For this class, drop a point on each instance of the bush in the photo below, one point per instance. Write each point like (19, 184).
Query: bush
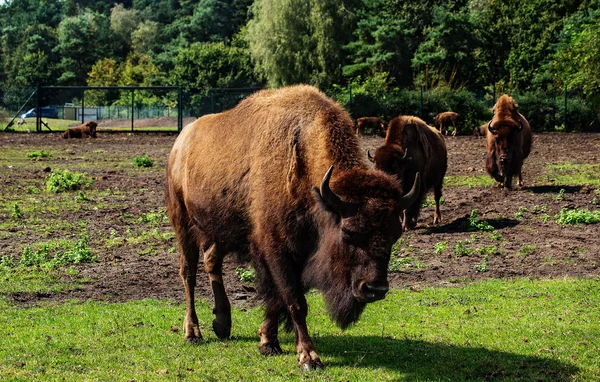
(142, 161)
(576, 216)
(65, 180)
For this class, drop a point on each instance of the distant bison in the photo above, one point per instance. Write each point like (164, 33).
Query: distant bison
(480, 131)
(370, 125)
(260, 179)
(445, 120)
(86, 130)
(411, 147)
(508, 142)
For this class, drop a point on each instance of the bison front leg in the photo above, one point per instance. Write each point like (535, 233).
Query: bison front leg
(307, 357)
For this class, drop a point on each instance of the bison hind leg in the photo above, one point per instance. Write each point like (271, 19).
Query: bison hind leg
(213, 265)
(437, 194)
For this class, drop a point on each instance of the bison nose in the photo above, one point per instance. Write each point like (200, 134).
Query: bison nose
(504, 158)
(374, 291)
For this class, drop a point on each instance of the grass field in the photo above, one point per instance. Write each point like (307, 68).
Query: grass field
(500, 330)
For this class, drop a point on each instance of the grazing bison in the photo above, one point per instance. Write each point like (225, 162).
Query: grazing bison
(243, 181)
(86, 130)
(480, 131)
(370, 125)
(508, 142)
(411, 147)
(445, 120)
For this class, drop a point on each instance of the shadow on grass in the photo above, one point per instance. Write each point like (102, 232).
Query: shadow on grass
(553, 189)
(462, 225)
(420, 360)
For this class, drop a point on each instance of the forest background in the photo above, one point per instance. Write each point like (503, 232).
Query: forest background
(377, 57)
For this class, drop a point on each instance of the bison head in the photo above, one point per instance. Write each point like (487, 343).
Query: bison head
(356, 238)
(92, 126)
(502, 144)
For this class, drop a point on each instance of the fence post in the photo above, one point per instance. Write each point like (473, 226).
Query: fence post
(132, 108)
(565, 116)
(38, 112)
(82, 106)
(421, 102)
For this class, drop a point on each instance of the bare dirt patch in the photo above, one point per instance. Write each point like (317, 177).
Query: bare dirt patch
(531, 244)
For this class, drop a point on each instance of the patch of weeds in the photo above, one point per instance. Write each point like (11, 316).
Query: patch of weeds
(7, 263)
(520, 212)
(82, 198)
(154, 217)
(39, 154)
(147, 251)
(142, 161)
(483, 267)
(16, 212)
(246, 275)
(474, 238)
(491, 249)
(430, 202)
(127, 215)
(576, 216)
(561, 195)
(539, 210)
(527, 250)
(469, 181)
(595, 201)
(440, 247)
(459, 280)
(398, 263)
(32, 190)
(65, 180)
(495, 235)
(574, 174)
(461, 248)
(99, 151)
(478, 225)
(545, 218)
(53, 255)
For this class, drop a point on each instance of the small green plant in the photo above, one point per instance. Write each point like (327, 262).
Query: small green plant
(142, 161)
(561, 195)
(440, 247)
(99, 151)
(38, 257)
(65, 180)
(520, 212)
(495, 235)
(399, 263)
(483, 267)
(527, 250)
(246, 275)
(461, 248)
(79, 253)
(545, 218)
(478, 225)
(154, 217)
(7, 263)
(81, 197)
(32, 190)
(539, 210)
(492, 249)
(576, 216)
(39, 154)
(16, 212)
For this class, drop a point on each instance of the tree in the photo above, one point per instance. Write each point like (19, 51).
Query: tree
(144, 39)
(105, 72)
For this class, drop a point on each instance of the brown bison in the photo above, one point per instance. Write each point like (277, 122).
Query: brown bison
(480, 131)
(86, 130)
(445, 120)
(370, 125)
(508, 142)
(244, 181)
(411, 147)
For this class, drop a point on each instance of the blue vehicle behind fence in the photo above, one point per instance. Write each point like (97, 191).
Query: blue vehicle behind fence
(47, 112)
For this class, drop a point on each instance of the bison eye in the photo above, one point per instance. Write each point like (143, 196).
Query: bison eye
(359, 239)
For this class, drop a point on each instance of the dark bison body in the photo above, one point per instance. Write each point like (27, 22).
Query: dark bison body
(411, 147)
(508, 142)
(480, 131)
(445, 120)
(244, 181)
(370, 125)
(86, 130)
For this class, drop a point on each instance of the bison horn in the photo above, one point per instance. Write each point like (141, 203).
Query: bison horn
(490, 127)
(333, 201)
(409, 198)
(405, 154)
(371, 157)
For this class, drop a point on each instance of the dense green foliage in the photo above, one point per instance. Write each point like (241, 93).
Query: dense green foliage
(530, 48)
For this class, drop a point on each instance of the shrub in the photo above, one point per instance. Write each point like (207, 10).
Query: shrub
(142, 161)
(576, 216)
(65, 180)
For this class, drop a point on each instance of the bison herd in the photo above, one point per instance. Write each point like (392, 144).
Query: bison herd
(281, 178)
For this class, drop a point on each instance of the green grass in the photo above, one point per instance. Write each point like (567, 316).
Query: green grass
(572, 174)
(142, 161)
(502, 330)
(577, 216)
(469, 181)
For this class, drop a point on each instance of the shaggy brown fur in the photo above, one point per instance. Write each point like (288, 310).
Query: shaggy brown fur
(370, 125)
(87, 130)
(243, 181)
(480, 131)
(425, 152)
(445, 120)
(508, 142)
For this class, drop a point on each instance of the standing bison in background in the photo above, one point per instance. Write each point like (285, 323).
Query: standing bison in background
(244, 181)
(508, 142)
(87, 130)
(370, 125)
(445, 120)
(411, 147)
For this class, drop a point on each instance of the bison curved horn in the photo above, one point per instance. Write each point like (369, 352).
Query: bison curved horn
(371, 157)
(333, 201)
(411, 196)
(490, 128)
(404, 156)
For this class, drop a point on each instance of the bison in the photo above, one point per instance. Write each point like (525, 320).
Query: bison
(244, 182)
(480, 131)
(86, 130)
(411, 147)
(370, 125)
(508, 142)
(445, 120)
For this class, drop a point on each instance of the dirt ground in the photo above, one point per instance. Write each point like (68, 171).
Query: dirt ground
(531, 245)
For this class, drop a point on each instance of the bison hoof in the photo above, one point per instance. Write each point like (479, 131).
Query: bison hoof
(270, 349)
(223, 331)
(193, 340)
(312, 364)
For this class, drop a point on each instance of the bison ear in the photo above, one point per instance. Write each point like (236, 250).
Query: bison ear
(371, 157)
